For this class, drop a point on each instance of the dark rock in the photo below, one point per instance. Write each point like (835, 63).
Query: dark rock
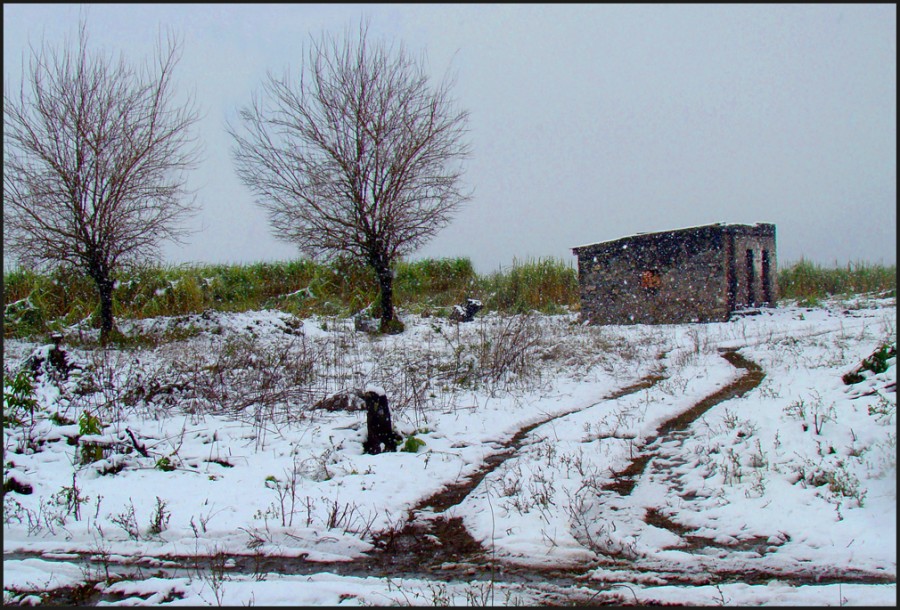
(466, 313)
(53, 359)
(11, 484)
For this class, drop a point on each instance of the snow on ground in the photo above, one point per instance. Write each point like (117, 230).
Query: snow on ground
(799, 474)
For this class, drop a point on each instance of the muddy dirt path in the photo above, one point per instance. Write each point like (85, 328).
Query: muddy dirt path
(752, 377)
(431, 546)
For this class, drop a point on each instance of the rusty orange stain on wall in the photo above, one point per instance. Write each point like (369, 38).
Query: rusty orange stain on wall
(650, 279)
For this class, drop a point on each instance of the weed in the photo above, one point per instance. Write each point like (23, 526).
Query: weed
(512, 485)
(758, 458)
(757, 488)
(127, 520)
(809, 282)
(281, 491)
(480, 594)
(767, 390)
(840, 482)
(884, 410)
(19, 400)
(13, 511)
(217, 574)
(165, 464)
(412, 444)
(347, 517)
(204, 521)
(100, 551)
(730, 419)
(796, 410)
(90, 425)
(35, 302)
(821, 414)
(547, 285)
(440, 596)
(71, 499)
(816, 410)
(574, 462)
(159, 519)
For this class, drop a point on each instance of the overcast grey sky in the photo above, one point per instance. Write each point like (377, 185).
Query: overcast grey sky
(588, 122)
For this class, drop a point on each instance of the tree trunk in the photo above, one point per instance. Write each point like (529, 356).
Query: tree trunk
(106, 310)
(105, 292)
(386, 288)
(389, 324)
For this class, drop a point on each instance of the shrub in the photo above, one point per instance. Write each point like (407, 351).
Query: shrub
(165, 464)
(90, 424)
(18, 398)
(876, 363)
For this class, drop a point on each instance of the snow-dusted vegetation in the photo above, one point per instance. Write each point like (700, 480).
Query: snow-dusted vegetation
(218, 459)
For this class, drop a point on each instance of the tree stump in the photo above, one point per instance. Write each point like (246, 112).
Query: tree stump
(380, 433)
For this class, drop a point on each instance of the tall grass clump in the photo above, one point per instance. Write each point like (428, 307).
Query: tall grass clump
(35, 302)
(808, 282)
(430, 283)
(341, 287)
(547, 285)
(302, 287)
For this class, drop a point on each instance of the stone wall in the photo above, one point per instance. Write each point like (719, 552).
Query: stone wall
(688, 275)
(761, 286)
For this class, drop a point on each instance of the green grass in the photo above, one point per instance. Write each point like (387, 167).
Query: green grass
(809, 282)
(40, 303)
(434, 283)
(546, 284)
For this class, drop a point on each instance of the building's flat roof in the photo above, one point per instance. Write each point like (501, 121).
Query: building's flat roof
(641, 234)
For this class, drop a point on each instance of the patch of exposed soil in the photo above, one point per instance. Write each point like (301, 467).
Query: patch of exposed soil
(654, 517)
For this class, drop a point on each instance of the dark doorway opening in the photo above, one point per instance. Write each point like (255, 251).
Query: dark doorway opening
(731, 274)
(766, 277)
(751, 279)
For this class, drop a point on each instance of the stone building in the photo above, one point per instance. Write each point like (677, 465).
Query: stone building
(699, 274)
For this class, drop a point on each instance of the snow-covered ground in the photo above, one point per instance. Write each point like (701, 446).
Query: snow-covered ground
(205, 444)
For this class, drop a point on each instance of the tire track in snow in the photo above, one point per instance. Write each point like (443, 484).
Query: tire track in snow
(626, 479)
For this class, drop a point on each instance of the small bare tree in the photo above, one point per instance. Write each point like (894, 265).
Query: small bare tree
(360, 158)
(94, 161)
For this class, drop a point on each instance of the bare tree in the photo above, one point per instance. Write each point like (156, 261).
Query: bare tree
(94, 161)
(361, 158)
